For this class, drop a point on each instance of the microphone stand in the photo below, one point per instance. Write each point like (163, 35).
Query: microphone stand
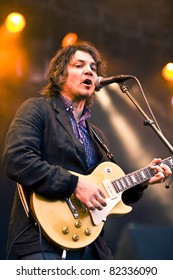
(147, 121)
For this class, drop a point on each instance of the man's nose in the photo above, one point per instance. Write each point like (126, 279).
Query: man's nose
(88, 70)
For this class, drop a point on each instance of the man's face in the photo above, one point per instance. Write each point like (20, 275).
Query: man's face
(82, 74)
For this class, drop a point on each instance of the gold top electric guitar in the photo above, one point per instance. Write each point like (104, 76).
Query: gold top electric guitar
(69, 224)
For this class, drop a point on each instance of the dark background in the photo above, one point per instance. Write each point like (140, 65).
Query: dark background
(135, 37)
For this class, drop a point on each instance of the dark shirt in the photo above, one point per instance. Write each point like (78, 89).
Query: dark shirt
(81, 132)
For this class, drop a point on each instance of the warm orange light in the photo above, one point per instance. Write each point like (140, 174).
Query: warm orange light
(69, 39)
(167, 72)
(15, 22)
(13, 60)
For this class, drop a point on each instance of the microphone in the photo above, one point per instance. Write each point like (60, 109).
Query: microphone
(102, 82)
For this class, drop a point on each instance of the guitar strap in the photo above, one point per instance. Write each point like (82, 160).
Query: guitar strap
(103, 146)
(25, 204)
(23, 199)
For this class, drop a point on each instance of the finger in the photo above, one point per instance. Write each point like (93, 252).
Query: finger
(97, 205)
(161, 176)
(101, 199)
(163, 171)
(90, 206)
(157, 169)
(101, 193)
(155, 161)
(94, 205)
(167, 171)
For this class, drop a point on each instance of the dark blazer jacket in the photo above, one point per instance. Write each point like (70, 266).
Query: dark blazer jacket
(40, 148)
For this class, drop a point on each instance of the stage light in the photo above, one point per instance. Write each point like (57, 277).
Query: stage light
(167, 72)
(15, 22)
(69, 39)
(13, 59)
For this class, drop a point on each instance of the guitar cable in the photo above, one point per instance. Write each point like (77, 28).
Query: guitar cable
(64, 254)
(20, 234)
(32, 219)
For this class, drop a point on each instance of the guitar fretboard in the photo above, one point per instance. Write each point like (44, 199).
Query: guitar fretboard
(135, 178)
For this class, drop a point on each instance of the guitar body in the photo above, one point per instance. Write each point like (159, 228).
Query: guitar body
(61, 226)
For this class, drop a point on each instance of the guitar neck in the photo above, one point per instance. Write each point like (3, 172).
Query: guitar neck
(138, 177)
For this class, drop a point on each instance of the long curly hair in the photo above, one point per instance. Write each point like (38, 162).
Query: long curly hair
(57, 72)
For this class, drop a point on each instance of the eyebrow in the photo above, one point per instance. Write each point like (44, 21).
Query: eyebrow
(81, 60)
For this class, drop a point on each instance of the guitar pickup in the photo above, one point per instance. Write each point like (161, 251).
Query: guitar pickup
(109, 188)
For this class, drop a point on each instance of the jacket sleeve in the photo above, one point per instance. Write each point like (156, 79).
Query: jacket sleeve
(132, 195)
(22, 157)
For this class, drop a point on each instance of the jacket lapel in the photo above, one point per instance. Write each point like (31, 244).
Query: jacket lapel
(63, 118)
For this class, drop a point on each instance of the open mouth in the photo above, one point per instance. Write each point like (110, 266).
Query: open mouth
(87, 82)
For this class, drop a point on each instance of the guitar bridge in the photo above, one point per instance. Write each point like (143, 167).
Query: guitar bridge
(72, 208)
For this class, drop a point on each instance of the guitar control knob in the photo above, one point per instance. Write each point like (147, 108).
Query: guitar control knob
(65, 230)
(78, 224)
(75, 237)
(88, 232)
